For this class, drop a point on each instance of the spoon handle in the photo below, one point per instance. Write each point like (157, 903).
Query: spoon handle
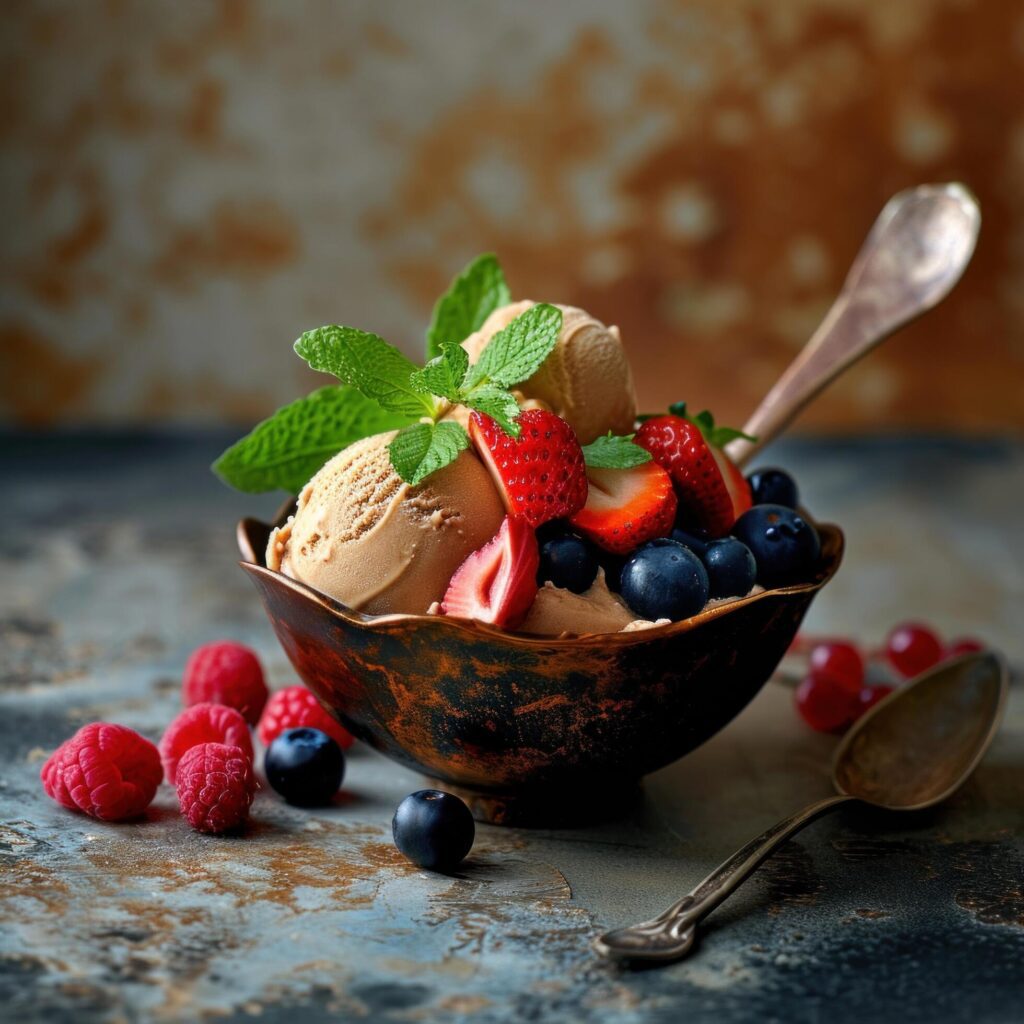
(915, 253)
(670, 935)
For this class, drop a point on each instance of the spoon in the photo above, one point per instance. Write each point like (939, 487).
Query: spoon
(910, 751)
(913, 256)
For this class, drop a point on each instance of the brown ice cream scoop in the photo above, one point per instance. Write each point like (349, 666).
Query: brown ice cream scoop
(586, 380)
(363, 536)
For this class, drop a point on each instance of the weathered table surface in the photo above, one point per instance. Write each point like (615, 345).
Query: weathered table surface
(117, 559)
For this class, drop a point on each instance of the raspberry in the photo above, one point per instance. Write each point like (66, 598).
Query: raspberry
(225, 673)
(104, 770)
(203, 723)
(215, 784)
(295, 707)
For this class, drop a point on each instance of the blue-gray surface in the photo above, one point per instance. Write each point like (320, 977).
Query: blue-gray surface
(117, 559)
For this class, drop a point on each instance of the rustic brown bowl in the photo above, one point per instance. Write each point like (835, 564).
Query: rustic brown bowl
(526, 729)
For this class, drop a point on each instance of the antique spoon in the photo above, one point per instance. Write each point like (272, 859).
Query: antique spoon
(913, 256)
(909, 752)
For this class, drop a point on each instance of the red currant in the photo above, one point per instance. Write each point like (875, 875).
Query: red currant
(840, 663)
(965, 645)
(913, 648)
(869, 696)
(824, 706)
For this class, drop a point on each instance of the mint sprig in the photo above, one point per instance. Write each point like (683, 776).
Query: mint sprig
(424, 448)
(615, 452)
(444, 374)
(286, 449)
(516, 353)
(475, 293)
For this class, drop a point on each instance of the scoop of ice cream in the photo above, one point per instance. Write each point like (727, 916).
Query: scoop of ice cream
(556, 611)
(586, 379)
(363, 536)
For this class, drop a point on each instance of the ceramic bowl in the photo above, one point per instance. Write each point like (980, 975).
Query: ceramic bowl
(532, 730)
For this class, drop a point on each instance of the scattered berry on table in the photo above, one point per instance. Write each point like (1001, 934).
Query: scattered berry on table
(785, 546)
(305, 766)
(433, 829)
(626, 507)
(913, 648)
(869, 696)
(216, 785)
(824, 706)
(771, 486)
(840, 663)
(106, 771)
(569, 562)
(202, 723)
(225, 672)
(664, 580)
(965, 645)
(541, 474)
(295, 706)
(731, 568)
(498, 582)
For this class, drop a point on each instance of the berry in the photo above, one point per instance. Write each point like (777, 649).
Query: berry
(965, 645)
(296, 706)
(785, 546)
(613, 566)
(568, 562)
(225, 673)
(712, 490)
(913, 648)
(839, 663)
(626, 507)
(203, 723)
(433, 829)
(305, 766)
(773, 486)
(540, 474)
(215, 784)
(696, 542)
(869, 696)
(106, 771)
(824, 706)
(498, 582)
(664, 580)
(730, 566)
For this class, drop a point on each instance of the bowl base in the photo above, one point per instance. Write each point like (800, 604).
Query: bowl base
(549, 807)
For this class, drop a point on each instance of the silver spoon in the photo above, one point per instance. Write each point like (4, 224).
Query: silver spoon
(913, 256)
(909, 752)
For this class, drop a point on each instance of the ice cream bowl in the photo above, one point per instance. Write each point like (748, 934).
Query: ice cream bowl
(532, 730)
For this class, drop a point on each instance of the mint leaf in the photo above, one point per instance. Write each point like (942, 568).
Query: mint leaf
(497, 403)
(471, 298)
(367, 363)
(424, 448)
(514, 354)
(285, 450)
(444, 374)
(611, 452)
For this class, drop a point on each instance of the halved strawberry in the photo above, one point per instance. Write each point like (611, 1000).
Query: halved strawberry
(713, 492)
(540, 474)
(626, 507)
(498, 582)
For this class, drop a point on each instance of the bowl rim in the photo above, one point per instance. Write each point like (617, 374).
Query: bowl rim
(252, 564)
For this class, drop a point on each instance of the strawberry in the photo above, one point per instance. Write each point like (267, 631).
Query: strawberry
(498, 582)
(626, 507)
(540, 474)
(713, 492)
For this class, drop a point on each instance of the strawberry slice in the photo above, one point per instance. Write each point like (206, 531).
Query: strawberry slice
(498, 582)
(540, 474)
(713, 492)
(626, 507)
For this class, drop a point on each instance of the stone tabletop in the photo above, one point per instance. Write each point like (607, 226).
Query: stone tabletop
(117, 558)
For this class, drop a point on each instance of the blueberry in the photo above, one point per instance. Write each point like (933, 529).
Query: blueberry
(305, 766)
(568, 561)
(731, 567)
(664, 580)
(697, 542)
(773, 486)
(612, 565)
(433, 829)
(785, 546)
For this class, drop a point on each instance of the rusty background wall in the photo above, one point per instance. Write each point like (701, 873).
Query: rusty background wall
(187, 185)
